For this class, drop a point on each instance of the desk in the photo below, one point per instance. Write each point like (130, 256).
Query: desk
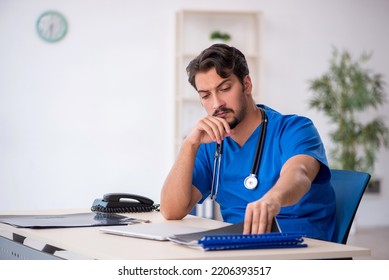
(91, 243)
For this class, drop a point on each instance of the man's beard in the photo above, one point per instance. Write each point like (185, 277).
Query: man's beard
(235, 120)
(233, 123)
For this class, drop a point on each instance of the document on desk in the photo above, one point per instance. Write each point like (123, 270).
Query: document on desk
(68, 220)
(175, 232)
(197, 237)
(191, 239)
(230, 237)
(154, 231)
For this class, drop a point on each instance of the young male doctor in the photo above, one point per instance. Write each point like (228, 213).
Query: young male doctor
(256, 162)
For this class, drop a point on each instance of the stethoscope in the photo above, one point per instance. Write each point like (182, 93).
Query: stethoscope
(251, 181)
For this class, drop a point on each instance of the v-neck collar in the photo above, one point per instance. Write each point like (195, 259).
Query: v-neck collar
(253, 137)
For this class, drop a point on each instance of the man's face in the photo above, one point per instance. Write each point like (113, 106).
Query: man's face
(222, 97)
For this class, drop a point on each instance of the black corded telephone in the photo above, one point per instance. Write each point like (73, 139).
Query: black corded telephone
(123, 202)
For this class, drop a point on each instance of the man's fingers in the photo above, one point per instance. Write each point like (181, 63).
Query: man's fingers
(247, 221)
(258, 218)
(215, 128)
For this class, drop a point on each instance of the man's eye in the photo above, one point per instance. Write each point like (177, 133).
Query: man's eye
(205, 96)
(225, 89)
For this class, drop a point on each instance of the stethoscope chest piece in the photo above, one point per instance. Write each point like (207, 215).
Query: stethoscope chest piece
(251, 182)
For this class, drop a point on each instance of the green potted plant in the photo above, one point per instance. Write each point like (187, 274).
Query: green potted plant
(220, 36)
(344, 94)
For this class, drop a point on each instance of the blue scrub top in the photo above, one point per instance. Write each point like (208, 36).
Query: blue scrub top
(286, 136)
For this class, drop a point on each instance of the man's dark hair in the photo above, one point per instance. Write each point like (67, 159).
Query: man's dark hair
(225, 59)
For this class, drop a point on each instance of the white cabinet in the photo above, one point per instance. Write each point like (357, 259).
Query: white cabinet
(193, 29)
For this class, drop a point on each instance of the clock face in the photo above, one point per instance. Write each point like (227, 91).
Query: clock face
(51, 26)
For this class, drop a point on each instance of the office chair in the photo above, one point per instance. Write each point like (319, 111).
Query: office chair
(349, 187)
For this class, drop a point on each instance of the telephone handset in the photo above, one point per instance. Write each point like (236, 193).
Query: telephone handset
(123, 202)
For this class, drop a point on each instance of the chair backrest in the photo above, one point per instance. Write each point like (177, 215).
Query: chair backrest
(349, 187)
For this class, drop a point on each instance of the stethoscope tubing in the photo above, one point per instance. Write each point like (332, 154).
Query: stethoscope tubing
(261, 143)
(251, 181)
(216, 170)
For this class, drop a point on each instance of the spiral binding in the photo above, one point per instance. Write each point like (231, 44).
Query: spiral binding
(252, 241)
(253, 238)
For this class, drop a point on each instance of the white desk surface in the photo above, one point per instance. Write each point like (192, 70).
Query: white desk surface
(91, 243)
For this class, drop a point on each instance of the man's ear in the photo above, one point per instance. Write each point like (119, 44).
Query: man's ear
(248, 85)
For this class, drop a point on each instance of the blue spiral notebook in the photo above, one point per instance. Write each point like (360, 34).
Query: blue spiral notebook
(191, 239)
(271, 240)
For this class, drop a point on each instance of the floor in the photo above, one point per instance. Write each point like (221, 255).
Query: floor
(376, 239)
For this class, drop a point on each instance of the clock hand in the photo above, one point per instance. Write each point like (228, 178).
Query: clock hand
(51, 29)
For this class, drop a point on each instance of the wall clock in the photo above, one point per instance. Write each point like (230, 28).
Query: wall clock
(51, 26)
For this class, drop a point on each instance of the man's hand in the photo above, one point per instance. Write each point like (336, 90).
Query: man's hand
(259, 216)
(209, 129)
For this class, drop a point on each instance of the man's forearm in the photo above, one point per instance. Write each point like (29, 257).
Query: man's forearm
(178, 196)
(295, 179)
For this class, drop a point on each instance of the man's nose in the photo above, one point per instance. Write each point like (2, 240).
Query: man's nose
(217, 101)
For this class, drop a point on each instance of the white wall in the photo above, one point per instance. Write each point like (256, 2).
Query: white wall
(94, 113)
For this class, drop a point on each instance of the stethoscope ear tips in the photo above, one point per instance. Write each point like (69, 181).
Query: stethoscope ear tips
(251, 182)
